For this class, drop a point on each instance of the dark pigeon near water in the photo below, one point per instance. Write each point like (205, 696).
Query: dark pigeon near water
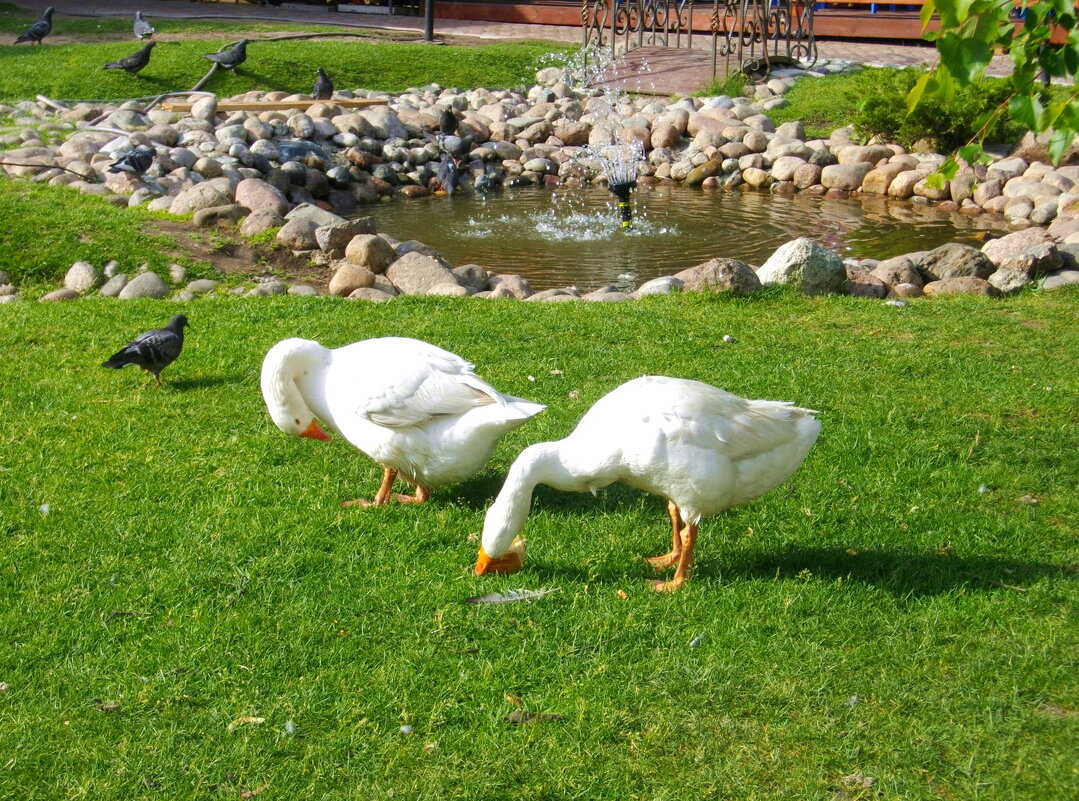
(39, 30)
(137, 161)
(134, 62)
(323, 88)
(143, 29)
(230, 57)
(153, 351)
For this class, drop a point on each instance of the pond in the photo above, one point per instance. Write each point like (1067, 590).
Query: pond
(570, 236)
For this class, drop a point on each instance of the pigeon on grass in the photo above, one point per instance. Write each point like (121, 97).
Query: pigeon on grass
(39, 30)
(153, 351)
(134, 62)
(323, 89)
(143, 29)
(136, 161)
(230, 57)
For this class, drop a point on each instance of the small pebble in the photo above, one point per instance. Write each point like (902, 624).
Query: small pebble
(897, 302)
(729, 339)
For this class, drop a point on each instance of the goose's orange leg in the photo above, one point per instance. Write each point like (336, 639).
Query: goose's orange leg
(689, 539)
(386, 494)
(668, 559)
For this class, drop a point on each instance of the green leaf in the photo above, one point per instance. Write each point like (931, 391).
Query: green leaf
(1059, 140)
(972, 153)
(915, 94)
(965, 59)
(1027, 111)
(929, 9)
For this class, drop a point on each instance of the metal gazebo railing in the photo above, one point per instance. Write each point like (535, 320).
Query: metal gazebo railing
(747, 31)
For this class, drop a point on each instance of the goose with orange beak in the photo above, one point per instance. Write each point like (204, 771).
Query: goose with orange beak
(701, 448)
(416, 409)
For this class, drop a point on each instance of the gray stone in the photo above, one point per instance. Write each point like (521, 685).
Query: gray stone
(81, 277)
(417, 274)
(720, 275)
(302, 291)
(298, 234)
(955, 260)
(58, 295)
(962, 285)
(257, 194)
(1060, 278)
(1009, 281)
(260, 221)
(898, 270)
(510, 285)
(664, 285)
(113, 287)
(847, 176)
(199, 196)
(807, 265)
(1031, 251)
(319, 216)
(370, 294)
(350, 277)
(472, 276)
(230, 212)
(200, 286)
(370, 251)
(334, 238)
(863, 284)
(144, 285)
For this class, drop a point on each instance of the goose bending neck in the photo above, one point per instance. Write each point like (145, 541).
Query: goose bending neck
(287, 363)
(541, 463)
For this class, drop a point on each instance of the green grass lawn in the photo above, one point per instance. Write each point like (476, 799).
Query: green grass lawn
(176, 570)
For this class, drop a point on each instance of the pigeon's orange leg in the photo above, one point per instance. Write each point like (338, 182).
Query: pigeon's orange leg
(668, 559)
(689, 539)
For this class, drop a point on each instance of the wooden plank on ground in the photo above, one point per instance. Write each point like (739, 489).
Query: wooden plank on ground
(274, 105)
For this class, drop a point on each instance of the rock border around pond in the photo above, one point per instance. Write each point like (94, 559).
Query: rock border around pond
(306, 171)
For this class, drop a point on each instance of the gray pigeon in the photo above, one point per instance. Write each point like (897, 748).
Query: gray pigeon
(143, 29)
(447, 122)
(153, 351)
(323, 89)
(39, 30)
(137, 161)
(134, 62)
(230, 57)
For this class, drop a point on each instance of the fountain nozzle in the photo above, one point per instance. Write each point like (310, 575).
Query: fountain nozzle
(621, 191)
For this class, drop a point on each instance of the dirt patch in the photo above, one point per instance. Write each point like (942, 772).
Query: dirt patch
(235, 258)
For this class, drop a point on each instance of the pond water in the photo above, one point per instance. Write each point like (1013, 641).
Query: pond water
(571, 235)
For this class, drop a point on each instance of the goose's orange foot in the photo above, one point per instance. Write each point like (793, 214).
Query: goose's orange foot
(665, 561)
(384, 500)
(668, 586)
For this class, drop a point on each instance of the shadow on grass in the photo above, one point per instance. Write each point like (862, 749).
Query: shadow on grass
(203, 382)
(900, 573)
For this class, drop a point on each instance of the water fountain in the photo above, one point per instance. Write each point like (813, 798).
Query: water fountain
(619, 164)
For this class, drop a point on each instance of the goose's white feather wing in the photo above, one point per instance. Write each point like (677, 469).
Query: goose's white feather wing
(398, 382)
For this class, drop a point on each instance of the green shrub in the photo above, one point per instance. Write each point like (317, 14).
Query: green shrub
(883, 112)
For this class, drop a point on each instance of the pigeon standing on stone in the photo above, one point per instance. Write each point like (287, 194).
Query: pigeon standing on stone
(134, 62)
(323, 89)
(137, 161)
(143, 29)
(153, 351)
(230, 57)
(39, 30)
(447, 122)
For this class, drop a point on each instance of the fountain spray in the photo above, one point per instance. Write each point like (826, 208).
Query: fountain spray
(619, 164)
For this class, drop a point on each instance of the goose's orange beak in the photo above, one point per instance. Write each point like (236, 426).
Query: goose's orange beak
(314, 432)
(510, 562)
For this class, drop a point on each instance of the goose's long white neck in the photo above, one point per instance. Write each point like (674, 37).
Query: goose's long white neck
(541, 463)
(283, 371)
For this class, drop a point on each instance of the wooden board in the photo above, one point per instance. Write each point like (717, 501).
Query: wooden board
(274, 105)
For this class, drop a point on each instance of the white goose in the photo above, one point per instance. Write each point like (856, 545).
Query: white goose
(703, 449)
(414, 408)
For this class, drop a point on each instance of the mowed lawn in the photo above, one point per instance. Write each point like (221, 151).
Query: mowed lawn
(190, 613)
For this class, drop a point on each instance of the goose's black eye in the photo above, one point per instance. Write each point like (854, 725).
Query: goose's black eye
(297, 421)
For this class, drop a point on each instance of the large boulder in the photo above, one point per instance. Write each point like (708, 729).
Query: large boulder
(144, 285)
(371, 252)
(298, 234)
(348, 278)
(720, 275)
(955, 260)
(1030, 251)
(807, 265)
(417, 274)
(962, 285)
(256, 195)
(335, 237)
(200, 196)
